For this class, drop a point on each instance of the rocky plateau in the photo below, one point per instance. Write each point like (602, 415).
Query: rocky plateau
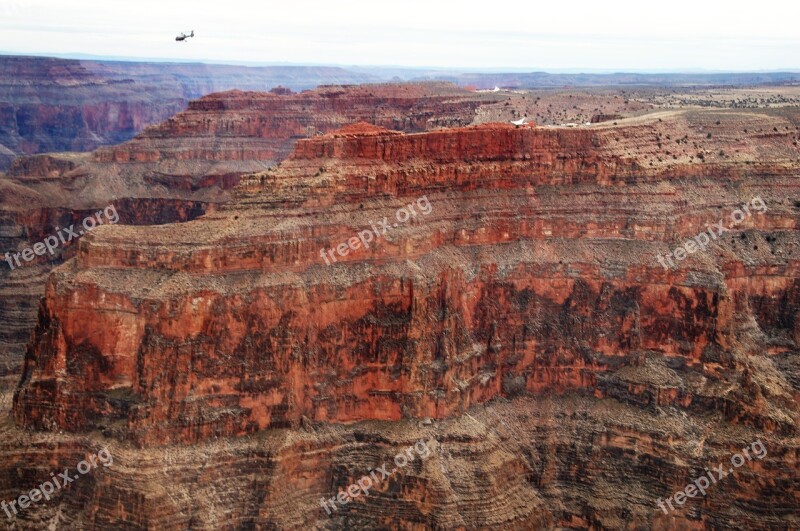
(245, 354)
(258, 356)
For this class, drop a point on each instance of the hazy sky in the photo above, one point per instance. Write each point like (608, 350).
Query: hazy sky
(556, 34)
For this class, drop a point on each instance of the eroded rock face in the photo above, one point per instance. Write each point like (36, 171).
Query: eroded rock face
(263, 126)
(530, 265)
(61, 105)
(49, 104)
(22, 288)
(223, 135)
(543, 462)
(178, 170)
(530, 268)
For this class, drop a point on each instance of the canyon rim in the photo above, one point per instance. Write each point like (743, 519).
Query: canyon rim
(277, 292)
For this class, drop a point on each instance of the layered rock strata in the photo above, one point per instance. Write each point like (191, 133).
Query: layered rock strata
(544, 462)
(49, 104)
(535, 270)
(174, 171)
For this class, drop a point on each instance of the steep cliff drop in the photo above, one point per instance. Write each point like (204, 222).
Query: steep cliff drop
(178, 170)
(519, 304)
(49, 104)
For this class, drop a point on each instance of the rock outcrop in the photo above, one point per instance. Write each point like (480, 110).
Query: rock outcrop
(509, 308)
(238, 126)
(535, 269)
(174, 171)
(49, 104)
(539, 462)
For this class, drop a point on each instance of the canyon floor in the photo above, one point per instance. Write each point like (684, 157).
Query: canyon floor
(245, 353)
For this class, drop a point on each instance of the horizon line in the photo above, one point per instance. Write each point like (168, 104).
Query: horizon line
(78, 56)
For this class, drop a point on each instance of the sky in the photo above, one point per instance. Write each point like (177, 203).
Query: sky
(557, 35)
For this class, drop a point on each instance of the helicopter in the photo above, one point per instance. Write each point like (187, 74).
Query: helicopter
(182, 37)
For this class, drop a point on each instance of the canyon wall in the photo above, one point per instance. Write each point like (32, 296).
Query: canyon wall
(49, 104)
(239, 125)
(534, 270)
(52, 105)
(510, 310)
(543, 462)
(174, 171)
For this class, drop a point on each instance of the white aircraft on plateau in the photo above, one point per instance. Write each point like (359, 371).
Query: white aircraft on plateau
(521, 121)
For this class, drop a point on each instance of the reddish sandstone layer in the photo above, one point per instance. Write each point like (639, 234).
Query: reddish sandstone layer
(49, 104)
(240, 125)
(189, 162)
(224, 135)
(534, 271)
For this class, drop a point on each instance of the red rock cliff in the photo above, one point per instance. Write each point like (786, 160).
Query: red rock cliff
(49, 104)
(534, 270)
(190, 161)
(240, 125)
